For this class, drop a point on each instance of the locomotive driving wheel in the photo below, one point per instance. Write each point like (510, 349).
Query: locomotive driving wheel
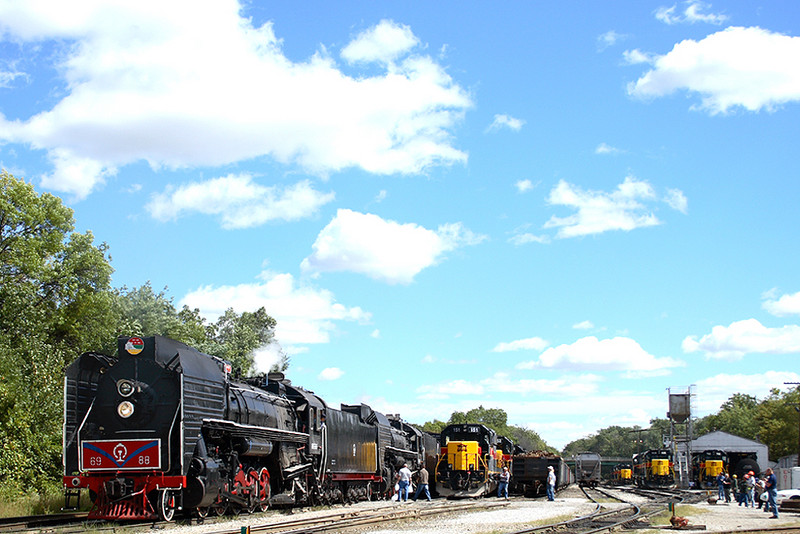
(219, 507)
(166, 505)
(263, 490)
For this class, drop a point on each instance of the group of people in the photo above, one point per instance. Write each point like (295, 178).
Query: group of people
(404, 482)
(404, 476)
(750, 490)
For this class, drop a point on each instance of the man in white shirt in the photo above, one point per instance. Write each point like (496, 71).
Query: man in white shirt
(404, 481)
(551, 483)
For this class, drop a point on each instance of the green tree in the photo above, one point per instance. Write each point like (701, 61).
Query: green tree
(777, 421)
(235, 338)
(56, 301)
(143, 312)
(433, 427)
(497, 420)
(737, 416)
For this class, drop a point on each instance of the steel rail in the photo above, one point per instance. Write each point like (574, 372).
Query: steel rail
(360, 518)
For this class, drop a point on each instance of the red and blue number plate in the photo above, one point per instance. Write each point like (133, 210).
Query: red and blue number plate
(117, 455)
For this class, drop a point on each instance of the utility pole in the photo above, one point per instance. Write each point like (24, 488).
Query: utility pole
(797, 408)
(639, 437)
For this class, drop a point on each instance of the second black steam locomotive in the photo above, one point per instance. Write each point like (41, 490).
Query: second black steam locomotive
(163, 428)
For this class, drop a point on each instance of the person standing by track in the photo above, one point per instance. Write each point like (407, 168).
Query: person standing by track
(771, 484)
(502, 486)
(551, 483)
(404, 480)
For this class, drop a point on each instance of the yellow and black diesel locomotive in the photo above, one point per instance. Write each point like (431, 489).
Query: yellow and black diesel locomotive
(470, 460)
(622, 474)
(654, 469)
(706, 466)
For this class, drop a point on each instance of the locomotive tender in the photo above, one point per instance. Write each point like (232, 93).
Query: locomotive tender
(163, 428)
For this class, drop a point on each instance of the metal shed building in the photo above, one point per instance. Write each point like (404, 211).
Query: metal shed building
(732, 444)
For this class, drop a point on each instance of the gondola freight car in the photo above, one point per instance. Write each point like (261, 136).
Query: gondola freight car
(529, 473)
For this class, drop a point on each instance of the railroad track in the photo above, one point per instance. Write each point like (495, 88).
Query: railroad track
(627, 515)
(360, 518)
(38, 522)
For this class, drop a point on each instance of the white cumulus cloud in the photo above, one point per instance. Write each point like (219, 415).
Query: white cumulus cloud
(785, 305)
(238, 201)
(598, 211)
(304, 315)
(384, 42)
(506, 121)
(531, 343)
(691, 14)
(745, 337)
(713, 391)
(524, 186)
(381, 249)
(330, 373)
(179, 86)
(751, 68)
(615, 354)
(604, 148)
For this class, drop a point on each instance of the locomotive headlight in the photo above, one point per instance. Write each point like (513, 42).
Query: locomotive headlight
(125, 409)
(125, 388)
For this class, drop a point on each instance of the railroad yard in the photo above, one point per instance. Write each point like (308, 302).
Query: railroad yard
(495, 516)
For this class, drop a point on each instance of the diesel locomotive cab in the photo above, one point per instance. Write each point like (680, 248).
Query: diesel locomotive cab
(654, 469)
(468, 461)
(707, 465)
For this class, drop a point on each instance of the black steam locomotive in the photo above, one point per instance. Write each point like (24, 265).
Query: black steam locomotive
(163, 428)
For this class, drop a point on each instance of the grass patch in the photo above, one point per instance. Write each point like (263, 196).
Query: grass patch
(48, 501)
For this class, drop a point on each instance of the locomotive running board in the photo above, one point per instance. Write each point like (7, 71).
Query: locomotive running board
(270, 433)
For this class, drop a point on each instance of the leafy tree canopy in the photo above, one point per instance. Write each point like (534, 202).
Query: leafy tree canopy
(774, 421)
(497, 420)
(56, 301)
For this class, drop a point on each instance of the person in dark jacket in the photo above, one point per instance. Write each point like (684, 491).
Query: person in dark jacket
(721, 486)
(422, 484)
(726, 484)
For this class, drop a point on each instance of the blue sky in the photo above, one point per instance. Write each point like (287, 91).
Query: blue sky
(559, 209)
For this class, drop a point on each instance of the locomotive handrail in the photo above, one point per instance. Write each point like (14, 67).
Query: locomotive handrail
(404, 452)
(78, 434)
